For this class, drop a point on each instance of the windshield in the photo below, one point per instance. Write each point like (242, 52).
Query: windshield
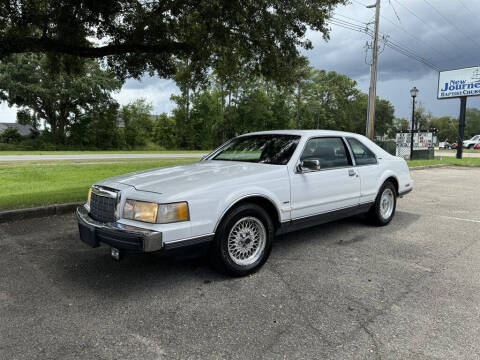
(265, 149)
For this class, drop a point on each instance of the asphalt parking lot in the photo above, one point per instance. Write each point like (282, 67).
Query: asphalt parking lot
(344, 290)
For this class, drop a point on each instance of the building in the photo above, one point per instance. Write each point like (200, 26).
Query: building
(24, 130)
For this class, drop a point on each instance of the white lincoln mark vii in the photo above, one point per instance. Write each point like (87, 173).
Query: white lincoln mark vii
(234, 201)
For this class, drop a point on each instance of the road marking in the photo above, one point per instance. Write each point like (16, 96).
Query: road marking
(461, 219)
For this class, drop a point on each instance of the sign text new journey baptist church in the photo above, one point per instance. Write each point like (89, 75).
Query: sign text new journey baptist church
(459, 83)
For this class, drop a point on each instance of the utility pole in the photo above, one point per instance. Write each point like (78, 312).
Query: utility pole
(372, 93)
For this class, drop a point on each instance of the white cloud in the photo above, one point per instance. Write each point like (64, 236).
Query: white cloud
(154, 90)
(7, 114)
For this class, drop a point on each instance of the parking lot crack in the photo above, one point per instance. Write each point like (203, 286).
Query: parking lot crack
(305, 317)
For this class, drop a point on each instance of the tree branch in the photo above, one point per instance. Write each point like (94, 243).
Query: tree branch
(41, 45)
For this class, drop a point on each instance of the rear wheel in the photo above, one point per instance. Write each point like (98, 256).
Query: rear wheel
(383, 210)
(243, 240)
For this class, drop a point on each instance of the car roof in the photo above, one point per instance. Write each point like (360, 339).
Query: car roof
(307, 133)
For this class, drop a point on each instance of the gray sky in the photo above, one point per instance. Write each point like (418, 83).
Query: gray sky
(447, 39)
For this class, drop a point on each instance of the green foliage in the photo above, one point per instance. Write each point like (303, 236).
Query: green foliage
(208, 113)
(205, 118)
(10, 136)
(422, 117)
(447, 128)
(26, 117)
(138, 36)
(164, 132)
(472, 123)
(97, 129)
(59, 98)
(138, 123)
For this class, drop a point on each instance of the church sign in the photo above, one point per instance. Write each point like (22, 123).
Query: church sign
(459, 83)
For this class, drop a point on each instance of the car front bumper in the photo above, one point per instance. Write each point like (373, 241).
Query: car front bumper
(117, 235)
(131, 238)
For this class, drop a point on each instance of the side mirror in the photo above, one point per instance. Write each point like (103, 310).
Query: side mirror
(309, 165)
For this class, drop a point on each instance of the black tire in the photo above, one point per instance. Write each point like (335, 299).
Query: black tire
(375, 213)
(471, 146)
(219, 253)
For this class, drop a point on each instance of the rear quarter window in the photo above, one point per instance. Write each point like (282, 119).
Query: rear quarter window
(362, 154)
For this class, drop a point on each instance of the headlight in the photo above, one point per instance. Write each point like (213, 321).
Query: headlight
(168, 213)
(155, 213)
(89, 197)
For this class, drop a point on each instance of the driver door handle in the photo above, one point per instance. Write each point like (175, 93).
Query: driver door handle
(351, 172)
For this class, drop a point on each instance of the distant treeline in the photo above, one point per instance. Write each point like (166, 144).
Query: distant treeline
(79, 112)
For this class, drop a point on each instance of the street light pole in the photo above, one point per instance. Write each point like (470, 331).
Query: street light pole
(413, 93)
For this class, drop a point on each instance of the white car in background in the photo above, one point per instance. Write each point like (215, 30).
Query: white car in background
(469, 144)
(235, 200)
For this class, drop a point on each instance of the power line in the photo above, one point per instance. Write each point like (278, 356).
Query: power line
(448, 21)
(349, 27)
(413, 56)
(465, 6)
(350, 18)
(417, 39)
(444, 55)
(428, 24)
(396, 44)
(390, 43)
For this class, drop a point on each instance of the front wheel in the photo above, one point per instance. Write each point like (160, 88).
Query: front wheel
(383, 210)
(243, 240)
(470, 146)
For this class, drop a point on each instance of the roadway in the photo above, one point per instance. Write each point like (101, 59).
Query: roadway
(345, 290)
(98, 156)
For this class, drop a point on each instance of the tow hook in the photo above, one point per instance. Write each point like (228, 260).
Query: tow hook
(115, 253)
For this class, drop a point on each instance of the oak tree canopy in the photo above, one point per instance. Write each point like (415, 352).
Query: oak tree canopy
(137, 36)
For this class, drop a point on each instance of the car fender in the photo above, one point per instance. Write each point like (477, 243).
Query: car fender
(235, 197)
(385, 175)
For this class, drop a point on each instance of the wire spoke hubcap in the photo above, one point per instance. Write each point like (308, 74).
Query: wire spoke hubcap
(387, 202)
(246, 241)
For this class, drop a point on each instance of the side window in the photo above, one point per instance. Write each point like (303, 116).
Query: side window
(362, 154)
(330, 151)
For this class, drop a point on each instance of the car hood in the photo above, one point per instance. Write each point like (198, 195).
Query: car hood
(210, 174)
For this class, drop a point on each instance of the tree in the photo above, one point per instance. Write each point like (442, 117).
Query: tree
(58, 98)
(98, 128)
(384, 117)
(138, 123)
(400, 124)
(472, 122)
(27, 117)
(137, 36)
(206, 118)
(10, 136)
(422, 117)
(164, 131)
(447, 128)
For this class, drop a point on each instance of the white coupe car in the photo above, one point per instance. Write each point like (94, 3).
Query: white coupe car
(235, 200)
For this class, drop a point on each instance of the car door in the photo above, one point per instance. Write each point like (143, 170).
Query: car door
(368, 168)
(335, 186)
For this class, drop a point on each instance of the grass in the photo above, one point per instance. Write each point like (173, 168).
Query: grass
(468, 161)
(32, 183)
(102, 152)
(27, 184)
(454, 151)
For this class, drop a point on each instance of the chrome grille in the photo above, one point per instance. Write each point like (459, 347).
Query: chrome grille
(102, 208)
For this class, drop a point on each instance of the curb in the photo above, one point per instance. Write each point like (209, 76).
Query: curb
(39, 211)
(428, 167)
